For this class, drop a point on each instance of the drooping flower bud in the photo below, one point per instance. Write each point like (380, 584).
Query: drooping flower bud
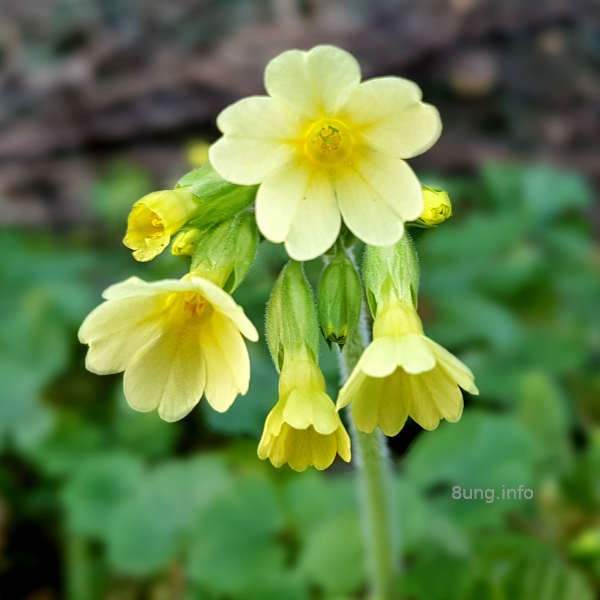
(437, 207)
(340, 298)
(392, 271)
(155, 218)
(225, 252)
(185, 242)
(291, 315)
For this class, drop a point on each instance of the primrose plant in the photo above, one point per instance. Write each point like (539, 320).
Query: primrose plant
(316, 164)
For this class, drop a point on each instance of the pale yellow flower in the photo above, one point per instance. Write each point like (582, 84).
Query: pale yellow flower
(155, 218)
(403, 373)
(175, 340)
(303, 429)
(323, 146)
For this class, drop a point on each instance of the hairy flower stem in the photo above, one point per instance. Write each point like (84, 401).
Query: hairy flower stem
(375, 480)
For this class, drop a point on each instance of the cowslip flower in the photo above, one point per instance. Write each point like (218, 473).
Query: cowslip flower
(303, 429)
(175, 340)
(323, 146)
(155, 218)
(403, 373)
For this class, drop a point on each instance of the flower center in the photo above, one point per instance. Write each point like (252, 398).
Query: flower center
(193, 304)
(328, 142)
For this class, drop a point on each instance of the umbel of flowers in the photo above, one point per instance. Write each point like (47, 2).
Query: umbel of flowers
(317, 164)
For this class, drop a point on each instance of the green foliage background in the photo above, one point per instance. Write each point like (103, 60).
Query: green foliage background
(97, 501)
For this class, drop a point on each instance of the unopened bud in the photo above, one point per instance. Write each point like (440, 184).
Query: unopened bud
(185, 242)
(340, 298)
(291, 315)
(436, 207)
(225, 252)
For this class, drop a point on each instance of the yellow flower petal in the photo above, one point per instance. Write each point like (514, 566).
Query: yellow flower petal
(301, 448)
(314, 82)
(384, 354)
(392, 117)
(379, 99)
(380, 402)
(167, 374)
(309, 237)
(422, 407)
(226, 305)
(111, 317)
(413, 354)
(247, 161)
(261, 118)
(227, 363)
(393, 181)
(116, 330)
(454, 368)
(445, 393)
(365, 212)
(277, 200)
(380, 358)
(410, 133)
(308, 408)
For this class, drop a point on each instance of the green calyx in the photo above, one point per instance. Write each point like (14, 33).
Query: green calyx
(340, 299)
(391, 270)
(219, 200)
(225, 252)
(291, 321)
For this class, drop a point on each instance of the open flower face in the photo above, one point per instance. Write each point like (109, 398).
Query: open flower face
(175, 340)
(323, 146)
(303, 429)
(403, 373)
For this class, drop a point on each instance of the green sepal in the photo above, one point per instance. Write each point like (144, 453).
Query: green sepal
(225, 252)
(340, 299)
(391, 270)
(291, 320)
(219, 199)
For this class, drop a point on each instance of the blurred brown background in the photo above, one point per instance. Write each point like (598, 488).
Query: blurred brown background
(82, 79)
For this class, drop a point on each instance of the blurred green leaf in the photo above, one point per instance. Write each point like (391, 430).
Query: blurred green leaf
(330, 549)
(233, 545)
(96, 488)
(480, 451)
(148, 527)
(541, 410)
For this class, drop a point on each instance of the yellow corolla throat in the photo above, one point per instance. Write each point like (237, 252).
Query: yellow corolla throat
(154, 219)
(187, 309)
(328, 142)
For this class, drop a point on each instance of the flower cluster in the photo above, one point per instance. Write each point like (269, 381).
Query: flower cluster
(316, 164)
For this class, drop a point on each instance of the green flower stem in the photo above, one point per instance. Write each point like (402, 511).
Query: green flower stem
(375, 480)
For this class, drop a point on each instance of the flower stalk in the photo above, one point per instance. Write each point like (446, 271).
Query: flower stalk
(375, 484)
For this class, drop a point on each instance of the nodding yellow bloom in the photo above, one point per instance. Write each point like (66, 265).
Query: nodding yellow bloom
(155, 218)
(323, 146)
(404, 373)
(303, 429)
(175, 340)
(437, 206)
